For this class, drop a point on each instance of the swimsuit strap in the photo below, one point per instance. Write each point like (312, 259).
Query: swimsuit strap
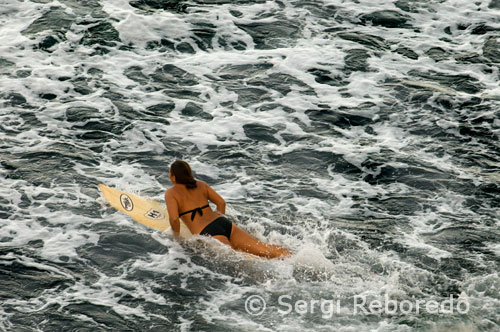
(193, 212)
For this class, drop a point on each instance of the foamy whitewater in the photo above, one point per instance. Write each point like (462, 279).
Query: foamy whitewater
(363, 135)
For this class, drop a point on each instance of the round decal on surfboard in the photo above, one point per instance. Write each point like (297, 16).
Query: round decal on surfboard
(126, 202)
(154, 214)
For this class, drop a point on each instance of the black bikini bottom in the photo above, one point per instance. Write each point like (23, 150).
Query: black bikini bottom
(220, 226)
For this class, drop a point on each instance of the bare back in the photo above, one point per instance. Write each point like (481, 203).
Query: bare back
(180, 199)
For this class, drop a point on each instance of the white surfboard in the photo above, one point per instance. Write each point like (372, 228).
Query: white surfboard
(148, 212)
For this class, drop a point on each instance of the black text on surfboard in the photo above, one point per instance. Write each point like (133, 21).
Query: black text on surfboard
(126, 202)
(154, 214)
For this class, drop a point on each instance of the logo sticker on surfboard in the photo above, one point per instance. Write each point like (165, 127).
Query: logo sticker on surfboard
(127, 203)
(154, 214)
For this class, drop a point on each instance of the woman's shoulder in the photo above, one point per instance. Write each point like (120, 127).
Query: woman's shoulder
(201, 185)
(172, 191)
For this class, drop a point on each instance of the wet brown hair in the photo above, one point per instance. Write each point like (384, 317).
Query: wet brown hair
(183, 174)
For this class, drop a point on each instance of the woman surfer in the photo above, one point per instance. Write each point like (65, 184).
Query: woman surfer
(188, 199)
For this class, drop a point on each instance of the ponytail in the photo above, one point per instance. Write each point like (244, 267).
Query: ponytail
(183, 174)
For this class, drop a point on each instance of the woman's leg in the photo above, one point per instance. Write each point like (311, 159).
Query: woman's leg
(222, 239)
(242, 241)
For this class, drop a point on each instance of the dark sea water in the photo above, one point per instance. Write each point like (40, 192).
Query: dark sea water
(361, 134)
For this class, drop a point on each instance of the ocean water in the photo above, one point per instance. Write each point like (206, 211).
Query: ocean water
(363, 135)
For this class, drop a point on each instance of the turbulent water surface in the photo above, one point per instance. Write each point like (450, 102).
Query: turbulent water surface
(361, 134)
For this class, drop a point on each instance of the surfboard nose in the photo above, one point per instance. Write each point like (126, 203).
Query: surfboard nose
(148, 212)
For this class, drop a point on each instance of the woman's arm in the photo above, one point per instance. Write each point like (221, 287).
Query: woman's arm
(216, 199)
(173, 213)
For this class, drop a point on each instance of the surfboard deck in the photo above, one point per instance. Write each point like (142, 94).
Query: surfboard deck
(148, 212)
